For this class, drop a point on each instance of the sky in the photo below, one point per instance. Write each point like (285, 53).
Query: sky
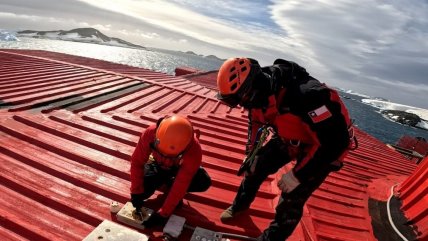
(377, 48)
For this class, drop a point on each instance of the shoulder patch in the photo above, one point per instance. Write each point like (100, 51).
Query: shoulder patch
(319, 114)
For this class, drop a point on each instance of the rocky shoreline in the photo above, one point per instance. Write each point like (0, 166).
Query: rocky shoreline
(403, 117)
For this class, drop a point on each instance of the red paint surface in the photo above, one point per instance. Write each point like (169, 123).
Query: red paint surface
(207, 79)
(68, 125)
(413, 193)
(183, 70)
(380, 189)
(411, 143)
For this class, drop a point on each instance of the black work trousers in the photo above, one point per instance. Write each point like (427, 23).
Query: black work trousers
(155, 177)
(289, 210)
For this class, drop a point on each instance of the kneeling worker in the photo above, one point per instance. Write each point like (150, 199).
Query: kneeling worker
(167, 153)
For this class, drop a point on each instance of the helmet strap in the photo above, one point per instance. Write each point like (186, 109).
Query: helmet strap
(262, 91)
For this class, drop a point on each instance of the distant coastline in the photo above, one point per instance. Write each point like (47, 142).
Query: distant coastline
(92, 35)
(84, 35)
(207, 56)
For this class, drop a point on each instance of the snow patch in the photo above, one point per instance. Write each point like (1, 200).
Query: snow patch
(386, 105)
(423, 125)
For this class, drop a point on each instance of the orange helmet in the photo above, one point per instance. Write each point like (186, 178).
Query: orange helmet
(173, 135)
(232, 75)
(234, 79)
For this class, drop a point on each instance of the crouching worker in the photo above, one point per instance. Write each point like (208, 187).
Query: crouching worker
(167, 153)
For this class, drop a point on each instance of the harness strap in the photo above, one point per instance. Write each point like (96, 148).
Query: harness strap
(354, 142)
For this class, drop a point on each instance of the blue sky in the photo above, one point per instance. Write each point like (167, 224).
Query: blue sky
(378, 48)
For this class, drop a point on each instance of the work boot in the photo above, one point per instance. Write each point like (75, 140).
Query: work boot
(228, 214)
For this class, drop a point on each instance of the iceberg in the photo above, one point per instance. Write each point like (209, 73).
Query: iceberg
(7, 36)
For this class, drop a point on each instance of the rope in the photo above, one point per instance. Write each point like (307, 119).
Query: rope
(388, 209)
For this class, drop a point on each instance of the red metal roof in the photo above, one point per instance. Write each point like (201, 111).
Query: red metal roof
(69, 124)
(414, 195)
(185, 70)
(207, 79)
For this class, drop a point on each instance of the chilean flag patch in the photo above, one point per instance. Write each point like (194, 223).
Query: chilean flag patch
(319, 114)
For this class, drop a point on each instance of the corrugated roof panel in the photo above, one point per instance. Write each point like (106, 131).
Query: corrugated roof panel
(183, 83)
(207, 79)
(413, 193)
(66, 145)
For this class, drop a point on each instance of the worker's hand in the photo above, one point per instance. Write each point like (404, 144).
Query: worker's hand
(155, 220)
(288, 182)
(137, 201)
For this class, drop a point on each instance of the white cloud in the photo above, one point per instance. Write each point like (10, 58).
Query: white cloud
(33, 18)
(338, 31)
(358, 40)
(101, 27)
(367, 45)
(59, 22)
(176, 19)
(399, 85)
(237, 7)
(124, 32)
(150, 35)
(244, 37)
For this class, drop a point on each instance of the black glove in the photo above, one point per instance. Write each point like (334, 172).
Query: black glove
(155, 220)
(137, 201)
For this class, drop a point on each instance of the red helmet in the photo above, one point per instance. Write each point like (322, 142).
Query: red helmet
(173, 135)
(234, 79)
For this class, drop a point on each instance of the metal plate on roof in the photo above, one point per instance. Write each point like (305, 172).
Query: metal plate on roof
(110, 231)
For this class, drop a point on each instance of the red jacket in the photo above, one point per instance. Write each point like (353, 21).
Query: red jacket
(303, 109)
(188, 166)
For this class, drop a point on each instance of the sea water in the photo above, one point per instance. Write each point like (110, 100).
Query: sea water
(366, 117)
(155, 59)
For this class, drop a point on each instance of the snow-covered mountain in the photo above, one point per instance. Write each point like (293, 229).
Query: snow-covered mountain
(7, 36)
(86, 35)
